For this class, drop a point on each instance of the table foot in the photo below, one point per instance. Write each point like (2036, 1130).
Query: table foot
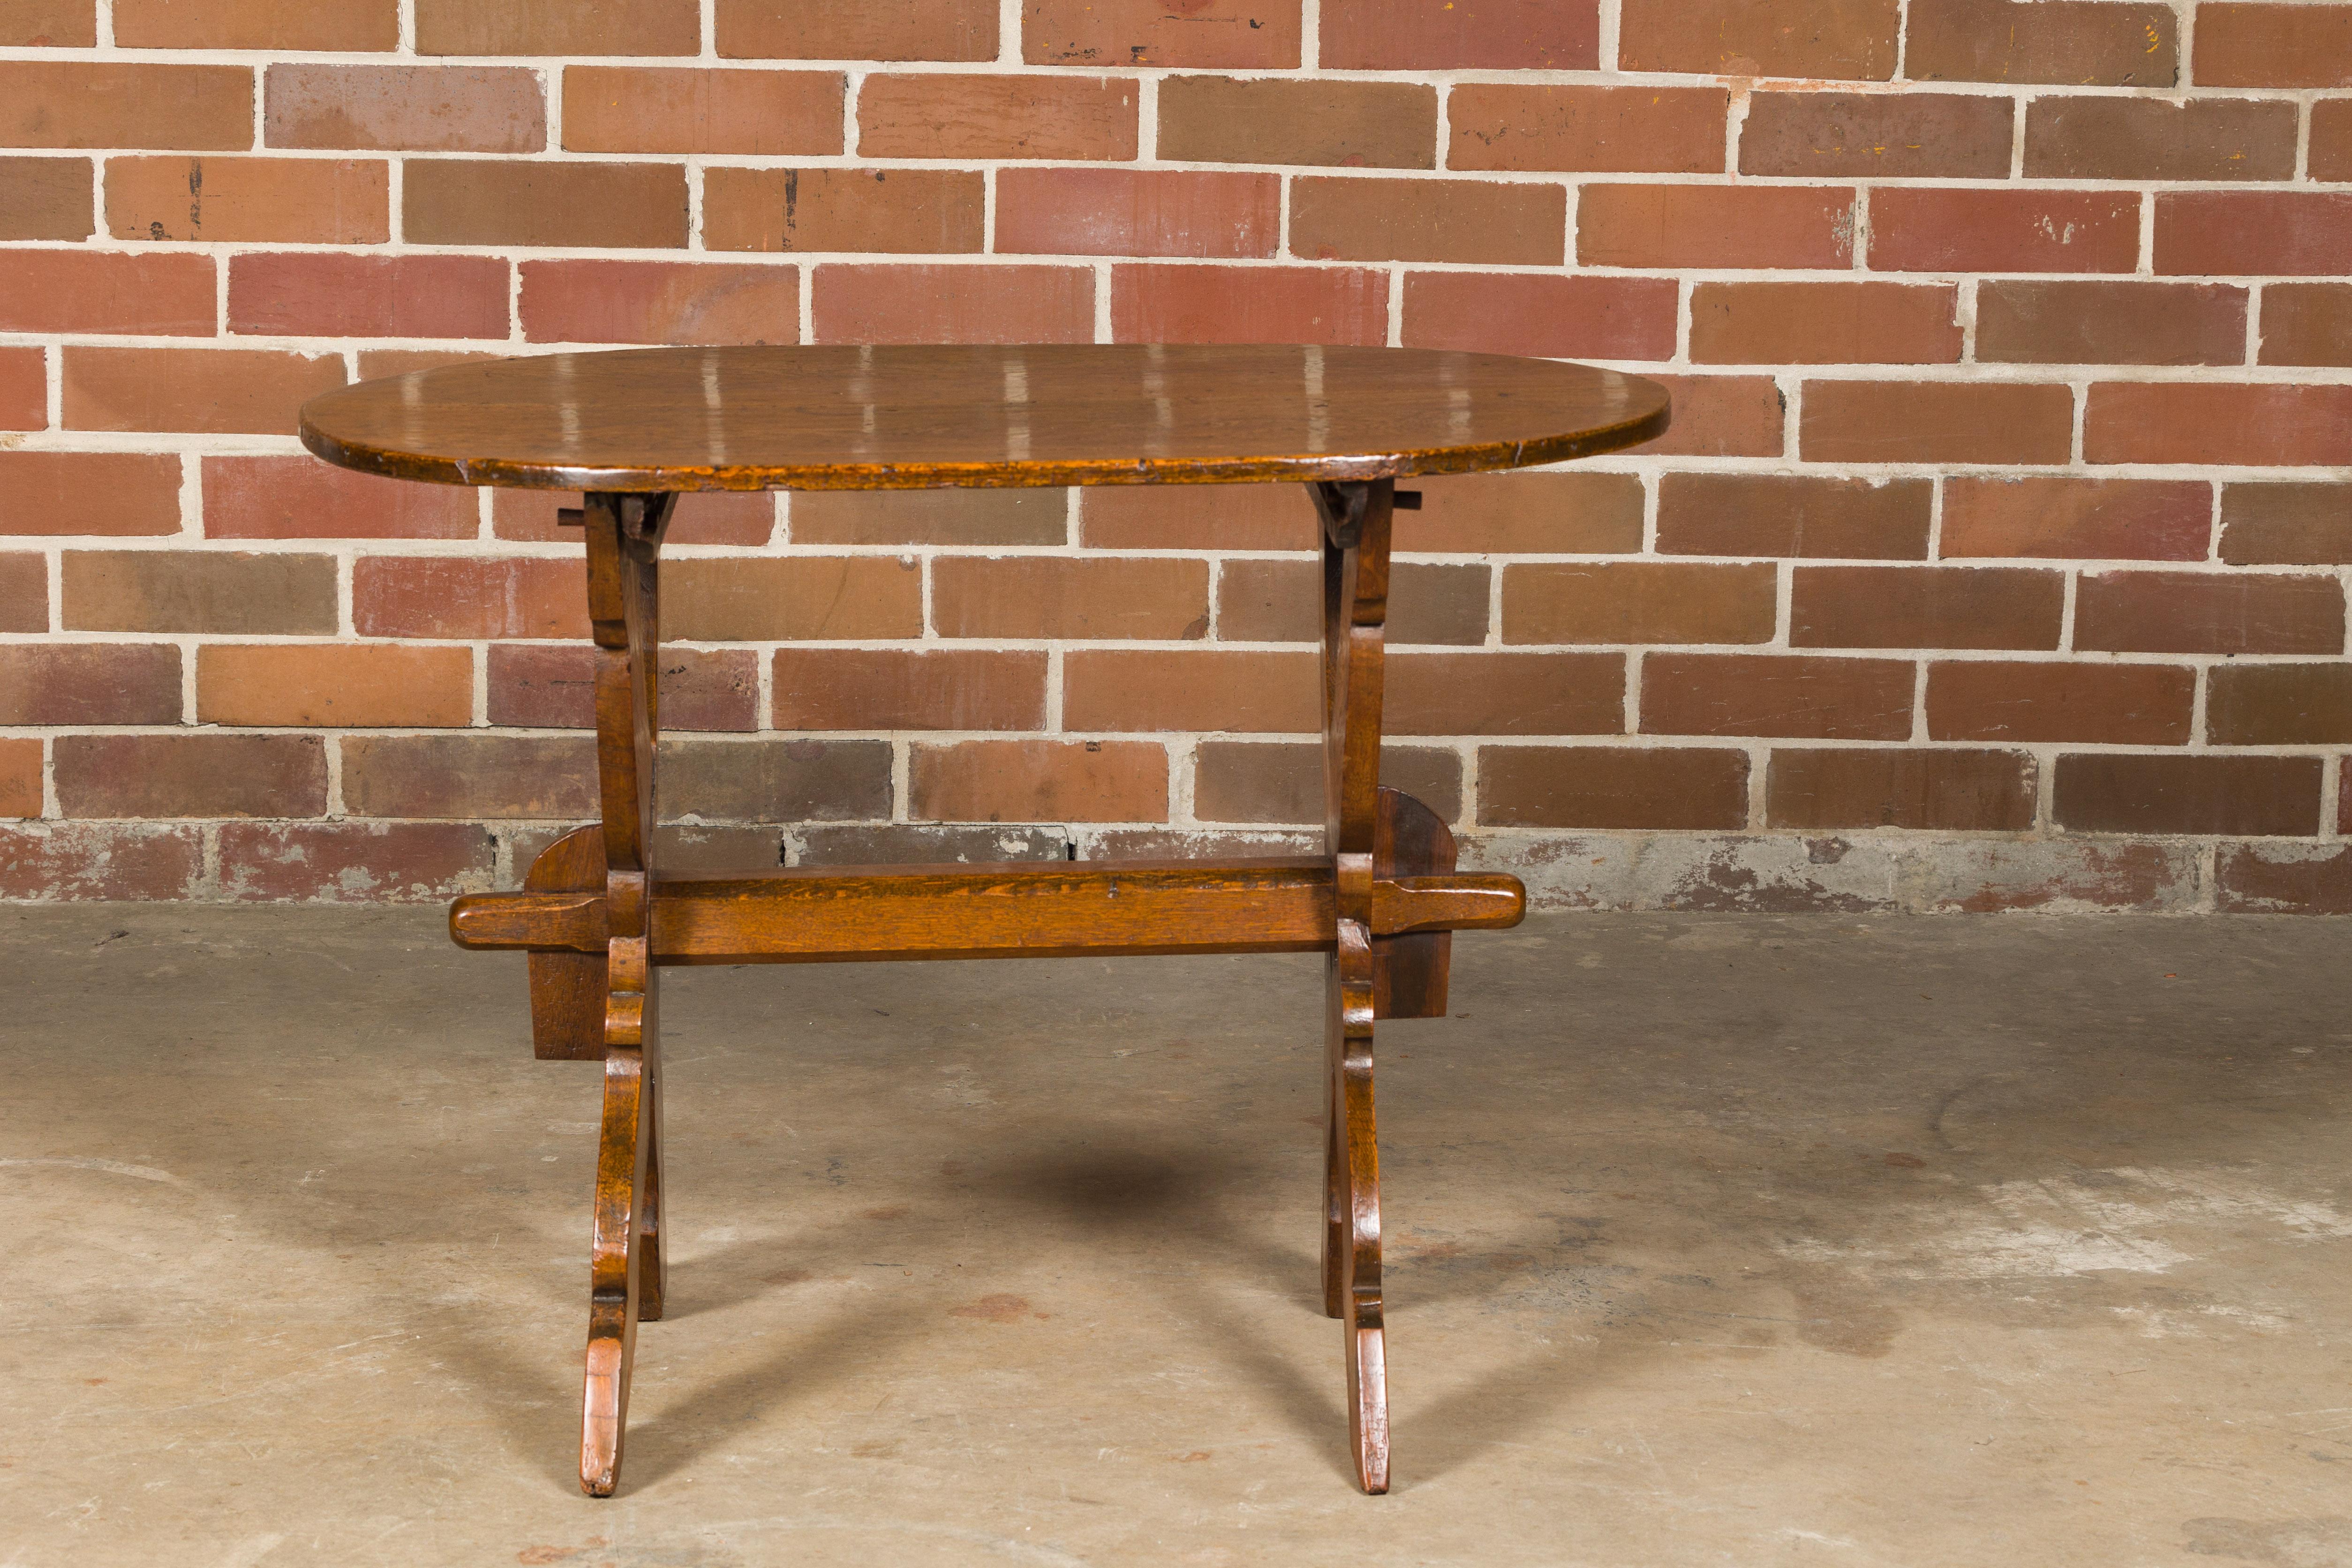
(1351, 1240)
(624, 1260)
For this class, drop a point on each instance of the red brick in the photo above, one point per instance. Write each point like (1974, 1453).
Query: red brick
(1638, 601)
(89, 492)
(414, 108)
(350, 24)
(1469, 35)
(1922, 229)
(2152, 139)
(2279, 705)
(1603, 129)
(310, 201)
(1510, 224)
(1348, 124)
(895, 688)
(1519, 514)
(471, 777)
(925, 30)
(1260, 781)
(1720, 416)
(354, 862)
(2330, 156)
(1936, 422)
(2093, 43)
(2218, 421)
(1924, 606)
(468, 597)
(106, 292)
(1193, 689)
(659, 302)
(702, 517)
(1839, 39)
(95, 861)
(304, 684)
(1715, 226)
(1282, 601)
(1612, 786)
(1793, 515)
(49, 23)
(1911, 134)
(558, 27)
(2257, 231)
(1823, 324)
(1200, 517)
(969, 517)
(45, 198)
(1505, 694)
(89, 683)
(207, 391)
(1178, 303)
(1948, 790)
(1248, 35)
(490, 201)
(1056, 596)
(197, 591)
(23, 592)
(2098, 520)
(2117, 704)
(1543, 314)
(2273, 45)
(302, 498)
(2209, 612)
(796, 598)
(2307, 323)
(919, 304)
(1038, 781)
(1137, 212)
(2287, 524)
(2070, 322)
(190, 775)
(1795, 697)
(107, 104)
(793, 781)
(308, 294)
(20, 782)
(938, 115)
(2122, 793)
(544, 686)
(653, 109)
(23, 389)
(2283, 879)
(904, 210)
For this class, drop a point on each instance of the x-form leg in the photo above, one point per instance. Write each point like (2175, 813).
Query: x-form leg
(597, 923)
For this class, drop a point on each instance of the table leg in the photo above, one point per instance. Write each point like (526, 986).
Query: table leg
(625, 535)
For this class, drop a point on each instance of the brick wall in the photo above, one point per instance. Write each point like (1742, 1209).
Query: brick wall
(1996, 559)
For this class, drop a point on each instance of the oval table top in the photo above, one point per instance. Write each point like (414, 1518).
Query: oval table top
(908, 417)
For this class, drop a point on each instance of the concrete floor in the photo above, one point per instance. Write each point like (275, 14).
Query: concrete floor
(1732, 1240)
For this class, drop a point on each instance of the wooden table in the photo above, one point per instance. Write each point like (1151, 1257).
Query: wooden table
(634, 428)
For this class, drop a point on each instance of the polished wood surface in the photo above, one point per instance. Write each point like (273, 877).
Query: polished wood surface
(911, 417)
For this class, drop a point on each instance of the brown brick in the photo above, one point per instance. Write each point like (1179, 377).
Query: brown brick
(2121, 792)
(702, 517)
(89, 492)
(2117, 704)
(23, 592)
(1468, 35)
(1282, 601)
(484, 201)
(20, 780)
(89, 683)
(1194, 690)
(1351, 124)
(777, 780)
(1796, 515)
(895, 688)
(1924, 606)
(471, 598)
(2144, 519)
(1505, 694)
(2330, 156)
(354, 862)
(798, 598)
(552, 686)
(967, 517)
(1197, 516)
(101, 860)
(106, 103)
(106, 292)
(1137, 212)
(2307, 323)
(1936, 422)
(925, 210)
(1338, 219)
(1825, 324)
(471, 777)
(1247, 35)
(968, 116)
(309, 294)
(310, 201)
(2151, 139)
(945, 304)
(1056, 596)
(191, 776)
(1638, 601)
(2272, 232)
(2209, 612)
(49, 24)
(1612, 786)
(210, 390)
(1905, 136)
(1529, 514)
(2279, 705)
(1715, 226)
(654, 108)
(302, 498)
(1609, 129)
(2273, 45)
(1038, 781)
(2283, 879)
(414, 108)
(1258, 781)
(2070, 322)
(1924, 229)
(923, 30)
(1541, 313)
(558, 27)
(659, 302)
(1720, 416)
(349, 25)
(197, 591)
(375, 363)
(1950, 791)
(337, 687)
(1799, 698)
(2287, 524)
(1174, 302)
(2073, 42)
(46, 198)
(23, 388)
(1852, 41)
(2217, 422)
